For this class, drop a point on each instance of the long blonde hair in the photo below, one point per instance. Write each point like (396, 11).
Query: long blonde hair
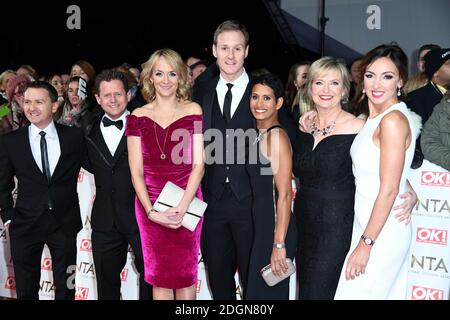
(176, 62)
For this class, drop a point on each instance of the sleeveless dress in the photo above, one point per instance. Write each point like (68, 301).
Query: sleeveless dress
(386, 271)
(264, 205)
(170, 255)
(324, 212)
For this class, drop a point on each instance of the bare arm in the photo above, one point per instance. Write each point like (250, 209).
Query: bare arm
(394, 134)
(135, 162)
(280, 156)
(198, 169)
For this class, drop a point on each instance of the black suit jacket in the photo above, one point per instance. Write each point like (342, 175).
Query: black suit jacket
(16, 159)
(239, 179)
(115, 196)
(423, 100)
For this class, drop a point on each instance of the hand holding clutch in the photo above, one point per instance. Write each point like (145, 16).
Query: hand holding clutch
(271, 279)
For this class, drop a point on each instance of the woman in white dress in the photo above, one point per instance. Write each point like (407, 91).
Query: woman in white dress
(376, 266)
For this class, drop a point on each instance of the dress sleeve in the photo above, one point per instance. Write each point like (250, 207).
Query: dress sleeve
(198, 124)
(133, 127)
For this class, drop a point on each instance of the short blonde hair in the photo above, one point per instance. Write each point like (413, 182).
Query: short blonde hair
(176, 62)
(318, 67)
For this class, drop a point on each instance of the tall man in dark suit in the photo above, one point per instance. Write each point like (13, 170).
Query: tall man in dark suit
(46, 158)
(113, 218)
(228, 227)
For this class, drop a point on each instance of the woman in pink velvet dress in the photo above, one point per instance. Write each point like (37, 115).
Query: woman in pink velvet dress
(165, 143)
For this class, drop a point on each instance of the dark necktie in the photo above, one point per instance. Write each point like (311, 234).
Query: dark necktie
(44, 157)
(108, 122)
(227, 104)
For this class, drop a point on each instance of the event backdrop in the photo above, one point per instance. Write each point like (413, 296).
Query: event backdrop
(428, 277)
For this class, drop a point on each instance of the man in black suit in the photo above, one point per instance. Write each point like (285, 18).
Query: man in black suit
(227, 234)
(113, 218)
(46, 158)
(437, 69)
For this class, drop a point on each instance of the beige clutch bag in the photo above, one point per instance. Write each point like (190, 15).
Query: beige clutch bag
(171, 196)
(272, 279)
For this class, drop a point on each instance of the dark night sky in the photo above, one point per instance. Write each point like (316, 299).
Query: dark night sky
(112, 34)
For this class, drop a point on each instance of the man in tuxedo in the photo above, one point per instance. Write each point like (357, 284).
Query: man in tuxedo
(227, 234)
(46, 158)
(113, 218)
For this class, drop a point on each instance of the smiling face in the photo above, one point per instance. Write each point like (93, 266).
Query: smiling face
(263, 103)
(164, 78)
(230, 52)
(381, 82)
(113, 98)
(38, 107)
(327, 89)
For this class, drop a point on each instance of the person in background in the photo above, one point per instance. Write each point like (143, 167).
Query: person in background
(14, 117)
(28, 71)
(5, 76)
(56, 81)
(65, 78)
(435, 138)
(74, 108)
(420, 79)
(83, 69)
(296, 80)
(437, 70)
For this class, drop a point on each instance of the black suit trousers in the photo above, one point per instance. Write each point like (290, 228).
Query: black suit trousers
(227, 238)
(110, 253)
(26, 251)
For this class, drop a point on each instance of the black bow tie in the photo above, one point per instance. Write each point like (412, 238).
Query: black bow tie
(108, 122)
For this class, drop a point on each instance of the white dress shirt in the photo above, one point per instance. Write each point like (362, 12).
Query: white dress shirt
(237, 91)
(112, 134)
(53, 147)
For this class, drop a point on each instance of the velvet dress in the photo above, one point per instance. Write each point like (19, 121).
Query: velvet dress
(170, 255)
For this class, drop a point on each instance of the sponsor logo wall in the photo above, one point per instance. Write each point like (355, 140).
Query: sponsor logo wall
(428, 275)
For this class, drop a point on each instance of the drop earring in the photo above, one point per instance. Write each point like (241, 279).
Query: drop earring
(364, 91)
(399, 93)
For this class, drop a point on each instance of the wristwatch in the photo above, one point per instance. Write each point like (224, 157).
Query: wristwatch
(279, 245)
(368, 241)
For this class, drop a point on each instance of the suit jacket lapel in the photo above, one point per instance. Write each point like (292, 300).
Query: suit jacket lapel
(208, 104)
(243, 105)
(121, 148)
(64, 147)
(97, 138)
(25, 145)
